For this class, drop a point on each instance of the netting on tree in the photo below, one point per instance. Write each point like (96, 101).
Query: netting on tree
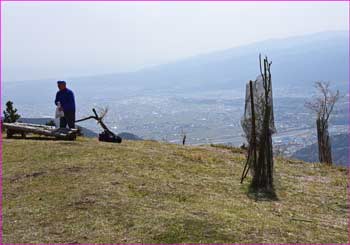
(258, 125)
(259, 109)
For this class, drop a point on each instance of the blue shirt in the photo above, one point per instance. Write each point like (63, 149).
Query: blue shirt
(66, 98)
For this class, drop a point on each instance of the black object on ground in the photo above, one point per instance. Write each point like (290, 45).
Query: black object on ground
(107, 135)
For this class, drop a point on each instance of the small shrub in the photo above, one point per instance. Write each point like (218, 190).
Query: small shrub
(10, 114)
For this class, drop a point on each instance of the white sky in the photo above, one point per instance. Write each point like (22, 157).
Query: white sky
(61, 39)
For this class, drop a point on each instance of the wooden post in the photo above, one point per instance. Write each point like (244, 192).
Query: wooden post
(324, 144)
(253, 134)
(252, 143)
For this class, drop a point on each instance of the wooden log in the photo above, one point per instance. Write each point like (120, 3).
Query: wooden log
(19, 128)
(23, 128)
(36, 125)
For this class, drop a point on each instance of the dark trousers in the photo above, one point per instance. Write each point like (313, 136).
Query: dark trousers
(69, 118)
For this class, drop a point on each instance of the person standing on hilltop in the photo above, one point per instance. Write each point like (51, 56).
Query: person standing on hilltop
(66, 103)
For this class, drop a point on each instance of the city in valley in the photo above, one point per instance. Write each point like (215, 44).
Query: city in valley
(212, 117)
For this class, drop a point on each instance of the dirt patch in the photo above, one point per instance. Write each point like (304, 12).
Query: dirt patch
(32, 175)
(115, 183)
(73, 169)
(35, 174)
(83, 203)
(316, 178)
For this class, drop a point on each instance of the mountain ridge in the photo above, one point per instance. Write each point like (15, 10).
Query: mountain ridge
(270, 47)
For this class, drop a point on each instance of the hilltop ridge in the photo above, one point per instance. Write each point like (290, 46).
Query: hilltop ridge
(151, 192)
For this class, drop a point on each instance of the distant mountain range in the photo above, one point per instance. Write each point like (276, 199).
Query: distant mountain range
(129, 136)
(340, 151)
(297, 61)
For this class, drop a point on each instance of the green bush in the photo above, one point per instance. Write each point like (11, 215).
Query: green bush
(10, 114)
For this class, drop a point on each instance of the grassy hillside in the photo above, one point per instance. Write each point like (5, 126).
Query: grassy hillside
(92, 192)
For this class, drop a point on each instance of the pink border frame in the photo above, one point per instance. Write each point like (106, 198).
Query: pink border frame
(1, 1)
(1, 226)
(348, 165)
(174, 0)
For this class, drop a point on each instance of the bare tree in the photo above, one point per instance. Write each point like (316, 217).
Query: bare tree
(263, 171)
(258, 125)
(323, 105)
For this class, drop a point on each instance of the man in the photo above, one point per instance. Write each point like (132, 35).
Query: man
(66, 99)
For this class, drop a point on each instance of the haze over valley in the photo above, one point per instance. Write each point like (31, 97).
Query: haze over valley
(203, 96)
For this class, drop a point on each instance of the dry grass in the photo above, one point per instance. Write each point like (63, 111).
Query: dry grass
(148, 192)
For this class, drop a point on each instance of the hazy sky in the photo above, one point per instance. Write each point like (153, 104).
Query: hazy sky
(62, 39)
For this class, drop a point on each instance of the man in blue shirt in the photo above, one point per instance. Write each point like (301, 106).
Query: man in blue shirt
(66, 99)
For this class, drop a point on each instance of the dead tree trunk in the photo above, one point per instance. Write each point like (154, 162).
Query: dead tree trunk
(263, 171)
(323, 105)
(324, 144)
(258, 125)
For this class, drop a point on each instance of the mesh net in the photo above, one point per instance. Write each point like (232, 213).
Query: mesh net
(259, 108)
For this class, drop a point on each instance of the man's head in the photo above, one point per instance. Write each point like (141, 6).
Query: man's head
(61, 85)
